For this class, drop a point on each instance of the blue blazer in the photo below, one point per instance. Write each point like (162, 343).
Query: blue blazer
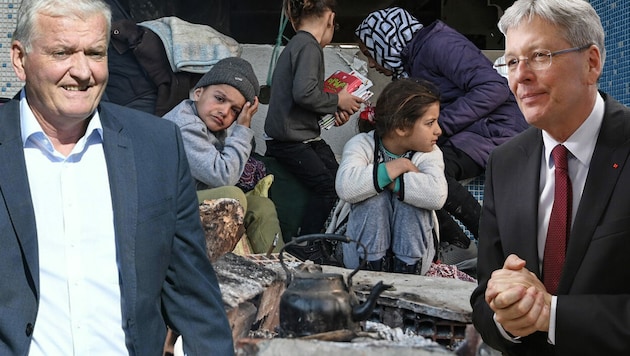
(165, 275)
(593, 310)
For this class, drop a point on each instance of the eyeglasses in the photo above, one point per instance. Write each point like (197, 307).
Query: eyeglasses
(538, 60)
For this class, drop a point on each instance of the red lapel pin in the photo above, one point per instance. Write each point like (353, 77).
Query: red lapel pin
(615, 165)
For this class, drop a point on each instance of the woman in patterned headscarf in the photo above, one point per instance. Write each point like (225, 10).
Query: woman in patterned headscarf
(384, 34)
(477, 110)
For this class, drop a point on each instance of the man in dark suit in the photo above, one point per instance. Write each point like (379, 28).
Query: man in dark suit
(553, 58)
(102, 246)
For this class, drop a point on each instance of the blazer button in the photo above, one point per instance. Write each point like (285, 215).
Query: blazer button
(29, 329)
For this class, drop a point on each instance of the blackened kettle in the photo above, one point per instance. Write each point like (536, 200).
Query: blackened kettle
(317, 302)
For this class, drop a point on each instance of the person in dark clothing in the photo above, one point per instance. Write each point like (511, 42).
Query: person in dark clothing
(550, 286)
(298, 101)
(477, 110)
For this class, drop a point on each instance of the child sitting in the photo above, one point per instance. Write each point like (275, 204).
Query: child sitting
(218, 140)
(393, 177)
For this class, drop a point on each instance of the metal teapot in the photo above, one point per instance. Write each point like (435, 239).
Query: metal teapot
(317, 302)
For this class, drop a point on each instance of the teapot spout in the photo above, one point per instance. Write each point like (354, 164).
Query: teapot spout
(362, 311)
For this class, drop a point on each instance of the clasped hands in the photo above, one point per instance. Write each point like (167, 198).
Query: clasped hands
(518, 298)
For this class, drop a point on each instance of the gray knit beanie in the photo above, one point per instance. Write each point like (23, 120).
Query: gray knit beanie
(235, 72)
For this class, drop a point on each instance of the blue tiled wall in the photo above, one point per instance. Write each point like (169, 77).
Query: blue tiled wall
(9, 84)
(615, 15)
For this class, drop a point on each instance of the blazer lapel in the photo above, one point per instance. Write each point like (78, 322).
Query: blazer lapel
(528, 179)
(14, 187)
(611, 149)
(121, 168)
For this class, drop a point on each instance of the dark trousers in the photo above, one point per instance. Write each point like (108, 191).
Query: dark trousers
(460, 203)
(314, 164)
(459, 165)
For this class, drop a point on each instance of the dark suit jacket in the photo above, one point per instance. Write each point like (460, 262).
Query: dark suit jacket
(165, 275)
(593, 310)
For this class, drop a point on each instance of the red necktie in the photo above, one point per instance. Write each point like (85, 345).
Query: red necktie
(559, 222)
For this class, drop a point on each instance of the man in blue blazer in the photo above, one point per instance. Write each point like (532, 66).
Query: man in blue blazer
(102, 245)
(553, 58)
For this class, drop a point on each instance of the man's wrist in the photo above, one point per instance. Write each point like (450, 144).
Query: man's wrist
(505, 333)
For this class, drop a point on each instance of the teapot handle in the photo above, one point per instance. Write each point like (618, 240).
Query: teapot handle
(312, 237)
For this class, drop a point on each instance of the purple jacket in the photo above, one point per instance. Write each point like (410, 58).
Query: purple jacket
(478, 110)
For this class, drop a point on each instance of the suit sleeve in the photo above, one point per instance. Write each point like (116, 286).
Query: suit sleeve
(488, 260)
(191, 296)
(593, 310)
(491, 255)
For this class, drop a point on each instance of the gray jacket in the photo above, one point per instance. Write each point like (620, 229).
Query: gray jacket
(298, 99)
(216, 158)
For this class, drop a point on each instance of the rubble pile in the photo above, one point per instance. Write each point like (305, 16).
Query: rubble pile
(419, 316)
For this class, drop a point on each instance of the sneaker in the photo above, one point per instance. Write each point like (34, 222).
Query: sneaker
(311, 251)
(402, 267)
(464, 258)
(380, 265)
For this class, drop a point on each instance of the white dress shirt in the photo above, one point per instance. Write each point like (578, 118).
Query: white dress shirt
(79, 292)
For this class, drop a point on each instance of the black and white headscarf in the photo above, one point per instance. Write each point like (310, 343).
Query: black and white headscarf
(385, 33)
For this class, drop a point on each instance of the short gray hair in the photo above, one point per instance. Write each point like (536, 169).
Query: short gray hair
(579, 23)
(29, 9)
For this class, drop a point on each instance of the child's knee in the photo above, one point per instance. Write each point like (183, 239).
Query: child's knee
(261, 206)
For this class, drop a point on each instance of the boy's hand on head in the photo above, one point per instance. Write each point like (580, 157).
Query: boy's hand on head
(348, 102)
(248, 111)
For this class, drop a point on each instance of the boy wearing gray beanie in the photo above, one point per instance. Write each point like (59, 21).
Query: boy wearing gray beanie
(215, 127)
(233, 71)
